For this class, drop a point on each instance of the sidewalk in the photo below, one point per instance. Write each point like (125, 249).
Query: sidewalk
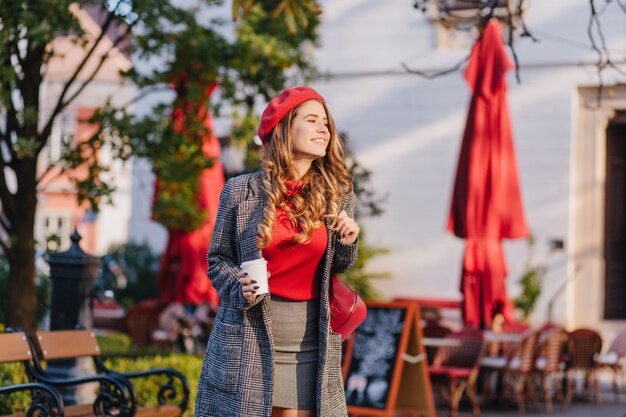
(608, 407)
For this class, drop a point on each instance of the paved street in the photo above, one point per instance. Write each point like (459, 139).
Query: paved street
(608, 407)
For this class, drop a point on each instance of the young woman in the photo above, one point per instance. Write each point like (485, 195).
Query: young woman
(275, 355)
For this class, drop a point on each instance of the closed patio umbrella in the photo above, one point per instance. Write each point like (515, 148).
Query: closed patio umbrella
(486, 202)
(182, 273)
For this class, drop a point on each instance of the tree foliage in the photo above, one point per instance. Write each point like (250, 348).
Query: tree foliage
(370, 205)
(249, 58)
(254, 63)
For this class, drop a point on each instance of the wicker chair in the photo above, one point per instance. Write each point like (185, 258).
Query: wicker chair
(583, 346)
(457, 366)
(549, 365)
(514, 370)
(434, 331)
(615, 361)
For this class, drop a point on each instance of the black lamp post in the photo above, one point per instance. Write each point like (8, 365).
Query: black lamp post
(73, 274)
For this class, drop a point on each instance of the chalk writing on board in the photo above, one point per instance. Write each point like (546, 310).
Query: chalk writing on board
(373, 357)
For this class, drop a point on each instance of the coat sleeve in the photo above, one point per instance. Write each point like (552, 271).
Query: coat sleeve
(346, 255)
(223, 268)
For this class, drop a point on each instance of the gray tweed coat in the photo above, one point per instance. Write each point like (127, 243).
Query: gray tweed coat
(236, 377)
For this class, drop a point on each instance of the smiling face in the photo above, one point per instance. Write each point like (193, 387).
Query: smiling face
(310, 132)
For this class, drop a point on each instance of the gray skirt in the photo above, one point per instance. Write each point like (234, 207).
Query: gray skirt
(295, 325)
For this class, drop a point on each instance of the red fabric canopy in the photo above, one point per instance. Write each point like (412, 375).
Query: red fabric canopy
(486, 202)
(182, 273)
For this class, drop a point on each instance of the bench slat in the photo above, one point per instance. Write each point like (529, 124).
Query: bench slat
(79, 410)
(160, 411)
(86, 410)
(14, 347)
(67, 344)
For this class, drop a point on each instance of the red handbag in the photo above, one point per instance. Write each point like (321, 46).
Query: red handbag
(347, 309)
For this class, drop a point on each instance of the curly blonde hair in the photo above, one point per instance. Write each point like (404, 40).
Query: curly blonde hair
(325, 183)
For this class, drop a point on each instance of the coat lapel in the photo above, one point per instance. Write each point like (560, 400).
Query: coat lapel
(249, 217)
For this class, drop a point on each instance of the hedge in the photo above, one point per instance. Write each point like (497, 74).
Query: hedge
(10, 374)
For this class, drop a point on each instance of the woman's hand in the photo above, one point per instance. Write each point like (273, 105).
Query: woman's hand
(347, 229)
(249, 286)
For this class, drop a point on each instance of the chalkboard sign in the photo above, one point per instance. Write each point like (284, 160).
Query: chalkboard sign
(385, 353)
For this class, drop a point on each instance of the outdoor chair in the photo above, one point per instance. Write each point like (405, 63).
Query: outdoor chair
(457, 366)
(549, 365)
(71, 344)
(45, 400)
(615, 361)
(435, 331)
(515, 327)
(583, 346)
(513, 370)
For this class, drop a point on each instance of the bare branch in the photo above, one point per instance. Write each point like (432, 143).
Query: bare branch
(519, 14)
(7, 199)
(433, 75)
(15, 50)
(144, 93)
(5, 225)
(103, 58)
(61, 105)
(11, 122)
(50, 169)
(511, 25)
(8, 251)
(12, 125)
(601, 64)
(61, 102)
(6, 137)
(604, 55)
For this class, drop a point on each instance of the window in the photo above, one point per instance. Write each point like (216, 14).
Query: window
(62, 132)
(57, 229)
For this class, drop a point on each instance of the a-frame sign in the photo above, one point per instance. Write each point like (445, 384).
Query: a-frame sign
(387, 370)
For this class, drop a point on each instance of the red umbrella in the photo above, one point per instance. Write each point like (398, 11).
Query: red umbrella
(182, 273)
(486, 202)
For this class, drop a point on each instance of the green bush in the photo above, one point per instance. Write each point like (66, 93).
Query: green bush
(120, 344)
(114, 344)
(120, 355)
(13, 373)
(531, 283)
(147, 388)
(130, 270)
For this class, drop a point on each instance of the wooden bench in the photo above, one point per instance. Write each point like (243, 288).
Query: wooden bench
(46, 401)
(71, 344)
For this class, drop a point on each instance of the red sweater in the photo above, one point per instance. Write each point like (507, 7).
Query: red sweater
(295, 268)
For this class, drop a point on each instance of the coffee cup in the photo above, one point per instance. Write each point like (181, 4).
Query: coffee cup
(257, 270)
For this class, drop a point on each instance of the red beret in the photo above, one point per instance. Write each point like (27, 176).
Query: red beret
(279, 106)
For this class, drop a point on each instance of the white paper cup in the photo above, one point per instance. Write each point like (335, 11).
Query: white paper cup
(257, 270)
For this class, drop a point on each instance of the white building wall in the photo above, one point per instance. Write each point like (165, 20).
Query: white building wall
(141, 227)
(408, 130)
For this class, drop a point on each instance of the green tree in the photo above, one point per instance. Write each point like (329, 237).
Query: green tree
(267, 42)
(370, 205)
